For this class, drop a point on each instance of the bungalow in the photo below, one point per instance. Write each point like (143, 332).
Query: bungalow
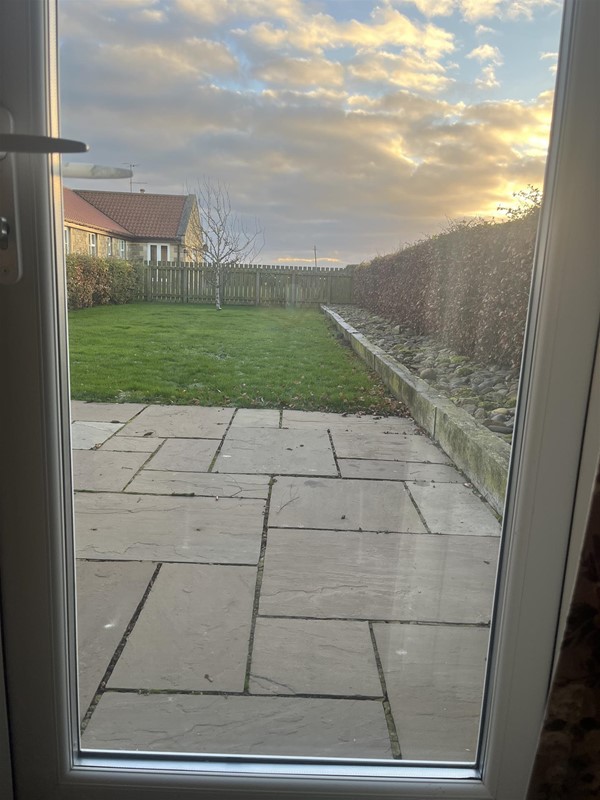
(88, 230)
(139, 227)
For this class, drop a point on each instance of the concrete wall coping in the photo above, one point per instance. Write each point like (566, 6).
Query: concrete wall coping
(479, 453)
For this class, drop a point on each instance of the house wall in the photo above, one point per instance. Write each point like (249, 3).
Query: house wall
(192, 238)
(137, 251)
(80, 243)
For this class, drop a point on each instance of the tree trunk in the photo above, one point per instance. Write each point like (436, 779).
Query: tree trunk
(218, 289)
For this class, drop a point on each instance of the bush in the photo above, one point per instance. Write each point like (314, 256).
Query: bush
(126, 280)
(93, 281)
(468, 286)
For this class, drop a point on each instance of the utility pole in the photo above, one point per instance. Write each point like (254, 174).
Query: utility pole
(315, 249)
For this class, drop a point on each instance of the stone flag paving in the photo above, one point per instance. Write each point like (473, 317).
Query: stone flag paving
(277, 583)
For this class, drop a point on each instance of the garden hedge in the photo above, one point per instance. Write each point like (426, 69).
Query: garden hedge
(93, 281)
(468, 287)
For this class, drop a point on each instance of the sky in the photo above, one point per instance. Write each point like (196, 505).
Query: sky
(355, 126)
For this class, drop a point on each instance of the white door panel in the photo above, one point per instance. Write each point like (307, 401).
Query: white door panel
(35, 490)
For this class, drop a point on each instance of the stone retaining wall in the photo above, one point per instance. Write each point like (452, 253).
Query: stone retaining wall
(480, 454)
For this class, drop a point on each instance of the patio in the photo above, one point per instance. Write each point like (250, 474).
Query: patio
(285, 583)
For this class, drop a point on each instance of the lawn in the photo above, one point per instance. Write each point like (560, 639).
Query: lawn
(240, 356)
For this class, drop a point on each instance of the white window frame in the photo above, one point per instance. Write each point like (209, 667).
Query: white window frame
(555, 426)
(159, 246)
(122, 248)
(67, 241)
(109, 246)
(93, 244)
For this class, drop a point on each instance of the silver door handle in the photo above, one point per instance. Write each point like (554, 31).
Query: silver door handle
(27, 143)
(11, 143)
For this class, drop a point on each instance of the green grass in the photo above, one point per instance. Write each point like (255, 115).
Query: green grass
(240, 356)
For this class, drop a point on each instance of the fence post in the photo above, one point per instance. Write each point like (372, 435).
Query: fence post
(329, 289)
(148, 283)
(185, 284)
(257, 289)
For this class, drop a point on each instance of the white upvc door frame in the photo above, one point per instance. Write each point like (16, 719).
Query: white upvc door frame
(36, 553)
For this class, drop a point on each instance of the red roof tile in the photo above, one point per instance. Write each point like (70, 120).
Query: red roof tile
(153, 216)
(78, 211)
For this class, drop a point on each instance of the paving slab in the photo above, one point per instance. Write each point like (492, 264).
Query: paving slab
(392, 446)
(342, 505)
(256, 418)
(193, 632)
(302, 656)
(271, 451)
(184, 455)
(239, 725)
(359, 575)
(107, 597)
(454, 508)
(88, 435)
(208, 484)
(103, 470)
(180, 421)
(398, 470)
(346, 422)
(434, 676)
(156, 528)
(104, 412)
(132, 444)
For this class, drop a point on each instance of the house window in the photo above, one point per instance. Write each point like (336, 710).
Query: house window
(158, 252)
(92, 244)
(109, 246)
(67, 241)
(122, 248)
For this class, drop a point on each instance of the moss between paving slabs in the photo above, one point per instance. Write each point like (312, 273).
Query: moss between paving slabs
(481, 455)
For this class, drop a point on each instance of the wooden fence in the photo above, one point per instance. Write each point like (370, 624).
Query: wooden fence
(246, 284)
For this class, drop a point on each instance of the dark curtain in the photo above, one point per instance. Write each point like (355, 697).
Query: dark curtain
(567, 765)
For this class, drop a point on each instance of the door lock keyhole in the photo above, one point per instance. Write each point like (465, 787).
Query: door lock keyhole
(4, 231)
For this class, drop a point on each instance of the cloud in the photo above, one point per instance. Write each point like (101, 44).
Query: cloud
(315, 33)
(474, 10)
(150, 15)
(348, 134)
(486, 52)
(301, 72)
(483, 30)
(356, 181)
(409, 70)
(434, 8)
(517, 9)
(550, 57)
(309, 260)
(215, 12)
(487, 79)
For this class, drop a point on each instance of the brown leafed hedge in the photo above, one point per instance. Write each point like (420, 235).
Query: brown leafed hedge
(468, 286)
(93, 281)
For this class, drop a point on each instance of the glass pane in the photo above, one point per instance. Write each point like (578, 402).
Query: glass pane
(281, 551)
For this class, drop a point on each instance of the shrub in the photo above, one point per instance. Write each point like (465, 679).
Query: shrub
(93, 281)
(468, 286)
(126, 280)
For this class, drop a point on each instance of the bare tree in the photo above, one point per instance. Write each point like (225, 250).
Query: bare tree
(227, 239)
